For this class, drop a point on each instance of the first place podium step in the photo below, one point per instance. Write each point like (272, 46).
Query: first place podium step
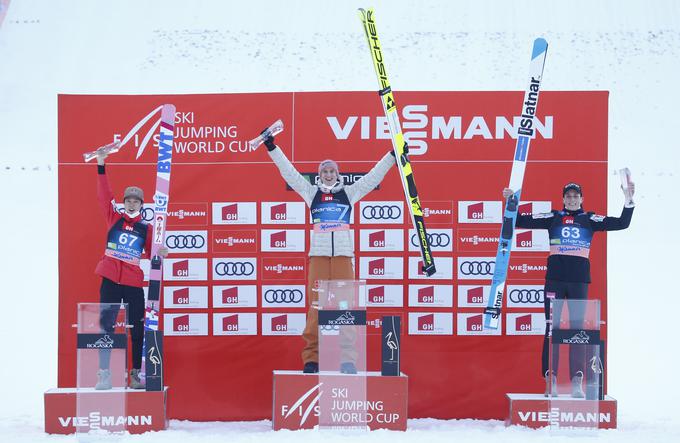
(144, 411)
(296, 400)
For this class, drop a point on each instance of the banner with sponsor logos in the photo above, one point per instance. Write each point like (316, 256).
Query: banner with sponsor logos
(235, 280)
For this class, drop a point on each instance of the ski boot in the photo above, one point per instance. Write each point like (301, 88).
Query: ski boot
(576, 388)
(103, 380)
(311, 367)
(135, 380)
(550, 391)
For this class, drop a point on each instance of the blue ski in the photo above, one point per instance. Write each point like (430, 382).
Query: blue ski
(525, 131)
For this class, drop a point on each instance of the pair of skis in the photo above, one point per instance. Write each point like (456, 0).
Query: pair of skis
(152, 357)
(525, 133)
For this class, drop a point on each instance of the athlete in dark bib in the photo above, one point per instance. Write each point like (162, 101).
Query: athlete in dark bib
(128, 240)
(331, 251)
(571, 232)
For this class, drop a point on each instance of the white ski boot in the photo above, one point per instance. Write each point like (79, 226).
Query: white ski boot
(103, 380)
(135, 380)
(550, 390)
(576, 385)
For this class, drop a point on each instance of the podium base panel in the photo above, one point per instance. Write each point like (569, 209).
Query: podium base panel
(146, 411)
(537, 411)
(296, 400)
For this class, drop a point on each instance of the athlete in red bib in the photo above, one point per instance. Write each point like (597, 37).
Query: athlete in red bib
(127, 241)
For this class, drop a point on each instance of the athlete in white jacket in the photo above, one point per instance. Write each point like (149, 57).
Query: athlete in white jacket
(331, 251)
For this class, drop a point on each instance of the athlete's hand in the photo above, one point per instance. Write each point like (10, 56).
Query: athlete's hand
(507, 192)
(163, 251)
(405, 150)
(268, 141)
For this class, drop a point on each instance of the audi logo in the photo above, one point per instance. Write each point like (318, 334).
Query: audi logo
(283, 296)
(476, 268)
(234, 268)
(434, 239)
(184, 241)
(381, 212)
(526, 296)
(147, 213)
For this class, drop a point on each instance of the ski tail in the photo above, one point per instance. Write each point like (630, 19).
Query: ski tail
(525, 132)
(398, 142)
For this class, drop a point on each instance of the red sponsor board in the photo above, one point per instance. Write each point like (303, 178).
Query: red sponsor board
(527, 268)
(460, 153)
(386, 400)
(233, 241)
(187, 214)
(283, 268)
(144, 411)
(478, 240)
(437, 212)
(536, 411)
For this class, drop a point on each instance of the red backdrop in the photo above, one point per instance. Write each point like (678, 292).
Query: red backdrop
(461, 156)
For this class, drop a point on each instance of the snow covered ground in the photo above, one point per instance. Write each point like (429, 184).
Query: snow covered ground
(630, 48)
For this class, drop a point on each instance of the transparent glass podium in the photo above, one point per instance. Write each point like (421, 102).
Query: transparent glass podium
(101, 370)
(574, 359)
(342, 355)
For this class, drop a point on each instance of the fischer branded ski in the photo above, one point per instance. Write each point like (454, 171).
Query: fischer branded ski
(398, 143)
(152, 363)
(525, 132)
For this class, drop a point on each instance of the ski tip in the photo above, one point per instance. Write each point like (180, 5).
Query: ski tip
(168, 113)
(540, 46)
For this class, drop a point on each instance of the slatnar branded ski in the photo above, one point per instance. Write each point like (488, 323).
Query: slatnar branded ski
(525, 132)
(152, 365)
(398, 142)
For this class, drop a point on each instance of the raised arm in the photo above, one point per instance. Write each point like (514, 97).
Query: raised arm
(104, 192)
(607, 223)
(368, 182)
(531, 221)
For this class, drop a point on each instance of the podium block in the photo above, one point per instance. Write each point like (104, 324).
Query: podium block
(537, 411)
(297, 395)
(145, 410)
